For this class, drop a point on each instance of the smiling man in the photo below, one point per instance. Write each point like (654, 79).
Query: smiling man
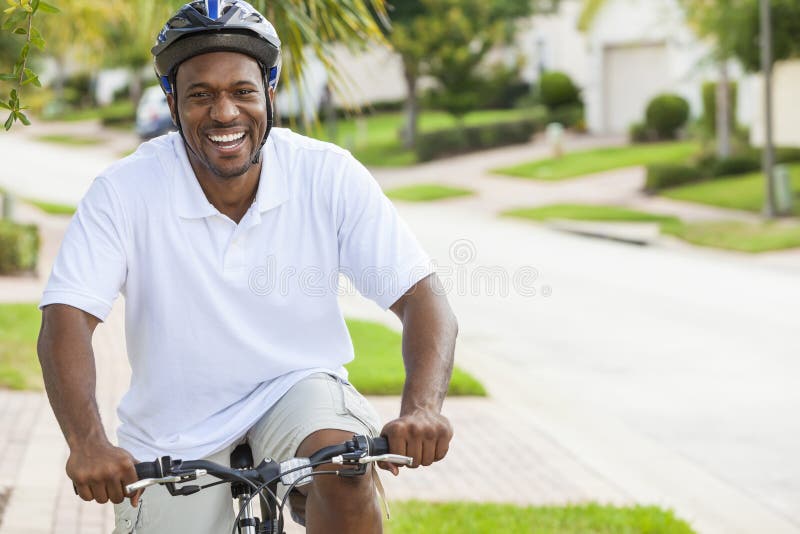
(227, 240)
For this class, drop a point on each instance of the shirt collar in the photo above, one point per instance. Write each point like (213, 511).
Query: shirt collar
(191, 202)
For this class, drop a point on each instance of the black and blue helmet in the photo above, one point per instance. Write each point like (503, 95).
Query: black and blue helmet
(216, 26)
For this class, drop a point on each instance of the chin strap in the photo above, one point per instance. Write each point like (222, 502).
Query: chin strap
(270, 116)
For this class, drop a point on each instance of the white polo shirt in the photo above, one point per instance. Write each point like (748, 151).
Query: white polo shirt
(222, 319)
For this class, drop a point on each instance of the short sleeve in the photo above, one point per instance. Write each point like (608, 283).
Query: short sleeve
(377, 250)
(91, 267)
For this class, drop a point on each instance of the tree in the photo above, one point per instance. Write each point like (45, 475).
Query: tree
(448, 39)
(312, 26)
(19, 21)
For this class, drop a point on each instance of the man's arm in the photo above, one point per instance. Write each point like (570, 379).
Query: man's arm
(99, 470)
(429, 338)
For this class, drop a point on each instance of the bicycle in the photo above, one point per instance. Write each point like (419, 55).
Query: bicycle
(248, 481)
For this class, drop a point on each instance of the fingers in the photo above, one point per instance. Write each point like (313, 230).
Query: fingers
(135, 498)
(425, 437)
(101, 476)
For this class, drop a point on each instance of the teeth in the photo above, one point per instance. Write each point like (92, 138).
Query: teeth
(226, 138)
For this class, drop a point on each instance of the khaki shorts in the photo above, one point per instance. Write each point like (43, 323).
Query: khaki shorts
(319, 401)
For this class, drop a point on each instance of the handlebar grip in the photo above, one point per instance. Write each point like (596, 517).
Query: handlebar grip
(380, 445)
(148, 470)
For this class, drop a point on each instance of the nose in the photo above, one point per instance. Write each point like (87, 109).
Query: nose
(224, 109)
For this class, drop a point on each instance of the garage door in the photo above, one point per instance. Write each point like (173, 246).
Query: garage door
(632, 76)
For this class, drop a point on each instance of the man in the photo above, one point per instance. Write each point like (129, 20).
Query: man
(219, 237)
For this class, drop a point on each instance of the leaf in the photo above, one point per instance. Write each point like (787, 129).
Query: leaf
(21, 31)
(24, 118)
(35, 5)
(44, 7)
(9, 121)
(8, 77)
(3, 105)
(10, 10)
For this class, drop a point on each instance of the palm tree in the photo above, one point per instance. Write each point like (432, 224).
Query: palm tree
(313, 26)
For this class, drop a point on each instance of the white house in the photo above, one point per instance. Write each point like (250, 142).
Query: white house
(638, 49)
(785, 110)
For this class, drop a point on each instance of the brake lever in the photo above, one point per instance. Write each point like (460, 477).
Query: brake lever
(398, 459)
(147, 482)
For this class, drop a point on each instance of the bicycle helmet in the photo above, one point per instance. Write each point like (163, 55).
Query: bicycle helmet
(218, 26)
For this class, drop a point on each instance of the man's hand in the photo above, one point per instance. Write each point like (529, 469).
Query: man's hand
(423, 435)
(100, 472)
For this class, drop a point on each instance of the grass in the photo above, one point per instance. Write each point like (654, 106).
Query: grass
(71, 140)
(427, 192)
(378, 366)
(727, 235)
(744, 192)
(601, 159)
(467, 518)
(52, 208)
(122, 110)
(375, 139)
(19, 328)
(741, 236)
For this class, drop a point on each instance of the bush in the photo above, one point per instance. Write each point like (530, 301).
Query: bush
(440, 143)
(640, 133)
(569, 115)
(664, 175)
(787, 155)
(502, 88)
(709, 118)
(666, 114)
(19, 247)
(737, 164)
(556, 90)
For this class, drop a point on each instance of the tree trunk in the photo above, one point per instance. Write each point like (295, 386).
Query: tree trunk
(411, 109)
(724, 111)
(136, 86)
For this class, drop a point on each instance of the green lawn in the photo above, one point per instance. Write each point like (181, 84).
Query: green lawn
(601, 159)
(71, 140)
(426, 192)
(378, 366)
(417, 517)
(744, 192)
(375, 139)
(744, 237)
(121, 110)
(728, 235)
(52, 208)
(19, 328)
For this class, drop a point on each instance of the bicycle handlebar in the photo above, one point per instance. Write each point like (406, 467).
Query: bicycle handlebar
(356, 452)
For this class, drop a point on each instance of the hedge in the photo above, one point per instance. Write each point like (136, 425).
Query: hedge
(664, 175)
(19, 247)
(708, 166)
(449, 142)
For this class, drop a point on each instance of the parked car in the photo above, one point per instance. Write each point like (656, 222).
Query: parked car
(152, 115)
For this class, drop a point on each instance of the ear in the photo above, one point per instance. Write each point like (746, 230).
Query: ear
(172, 111)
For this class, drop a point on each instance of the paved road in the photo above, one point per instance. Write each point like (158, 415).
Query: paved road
(680, 354)
(660, 375)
